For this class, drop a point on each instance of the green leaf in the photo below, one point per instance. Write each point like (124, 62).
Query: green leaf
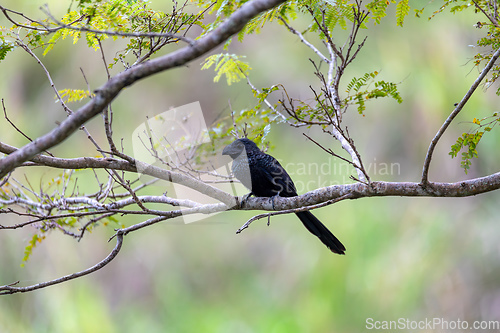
(469, 142)
(402, 10)
(378, 9)
(28, 250)
(359, 92)
(332, 13)
(5, 47)
(228, 65)
(74, 95)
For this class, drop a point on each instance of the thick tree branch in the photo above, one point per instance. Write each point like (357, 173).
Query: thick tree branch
(332, 194)
(130, 166)
(463, 188)
(107, 92)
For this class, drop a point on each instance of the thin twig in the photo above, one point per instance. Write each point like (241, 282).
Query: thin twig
(351, 195)
(269, 105)
(304, 40)
(47, 73)
(52, 84)
(12, 124)
(37, 26)
(331, 152)
(17, 128)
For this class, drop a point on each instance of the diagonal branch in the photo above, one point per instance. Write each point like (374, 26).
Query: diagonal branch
(458, 108)
(17, 128)
(304, 40)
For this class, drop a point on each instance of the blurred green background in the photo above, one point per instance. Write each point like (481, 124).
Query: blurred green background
(410, 258)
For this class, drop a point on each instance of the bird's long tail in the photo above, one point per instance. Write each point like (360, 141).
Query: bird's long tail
(319, 230)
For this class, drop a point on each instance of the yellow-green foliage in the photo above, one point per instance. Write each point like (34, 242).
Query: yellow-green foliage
(359, 90)
(74, 95)
(35, 239)
(228, 65)
(402, 10)
(470, 141)
(103, 16)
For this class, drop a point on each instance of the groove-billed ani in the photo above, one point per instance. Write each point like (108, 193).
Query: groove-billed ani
(265, 177)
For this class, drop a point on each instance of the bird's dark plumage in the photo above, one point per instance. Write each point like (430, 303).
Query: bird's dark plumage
(265, 177)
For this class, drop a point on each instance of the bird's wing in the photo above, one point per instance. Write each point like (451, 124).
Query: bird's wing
(271, 171)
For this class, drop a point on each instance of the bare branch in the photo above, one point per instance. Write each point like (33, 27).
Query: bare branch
(12, 289)
(37, 25)
(12, 124)
(199, 209)
(339, 59)
(47, 73)
(331, 152)
(304, 40)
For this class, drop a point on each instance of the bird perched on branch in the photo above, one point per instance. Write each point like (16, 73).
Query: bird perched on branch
(265, 177)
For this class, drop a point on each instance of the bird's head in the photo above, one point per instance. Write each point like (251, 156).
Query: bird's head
(238, 146)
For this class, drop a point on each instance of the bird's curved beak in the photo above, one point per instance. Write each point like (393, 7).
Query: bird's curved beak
(232, 150)
(226, 150)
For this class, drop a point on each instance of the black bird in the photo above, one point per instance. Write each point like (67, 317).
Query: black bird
(265, 177)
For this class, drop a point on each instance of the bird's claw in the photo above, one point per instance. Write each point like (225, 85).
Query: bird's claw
(272, 200)
(245, 198)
